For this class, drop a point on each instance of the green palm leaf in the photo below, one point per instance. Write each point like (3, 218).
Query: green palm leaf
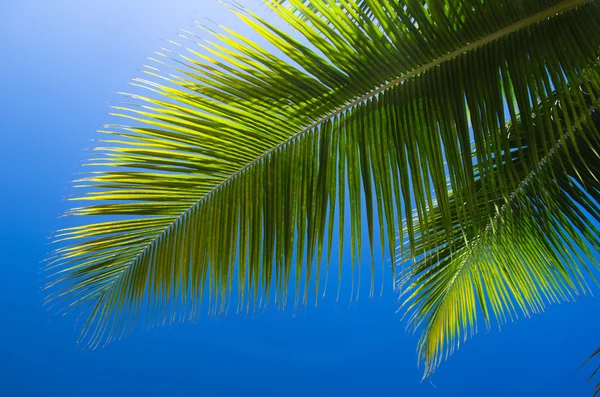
(595, 373)
(236, 170)
(520, 251)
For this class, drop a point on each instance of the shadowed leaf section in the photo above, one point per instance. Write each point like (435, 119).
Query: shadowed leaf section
(537, 245)
(595, 373)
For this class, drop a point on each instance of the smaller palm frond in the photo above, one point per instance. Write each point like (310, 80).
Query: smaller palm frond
(310, 5)
(535, 246)
(596, 371)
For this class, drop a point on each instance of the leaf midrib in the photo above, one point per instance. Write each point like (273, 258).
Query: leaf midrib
(524, 23)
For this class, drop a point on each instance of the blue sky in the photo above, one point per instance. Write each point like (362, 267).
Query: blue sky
(62, 62)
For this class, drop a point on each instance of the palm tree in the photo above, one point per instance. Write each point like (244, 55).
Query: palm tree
(467, 130)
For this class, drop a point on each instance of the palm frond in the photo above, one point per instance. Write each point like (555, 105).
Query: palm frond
(233, 172)
(535, 246)
(595, 373)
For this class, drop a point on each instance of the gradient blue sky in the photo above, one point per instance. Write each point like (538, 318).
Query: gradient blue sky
(61, 62)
